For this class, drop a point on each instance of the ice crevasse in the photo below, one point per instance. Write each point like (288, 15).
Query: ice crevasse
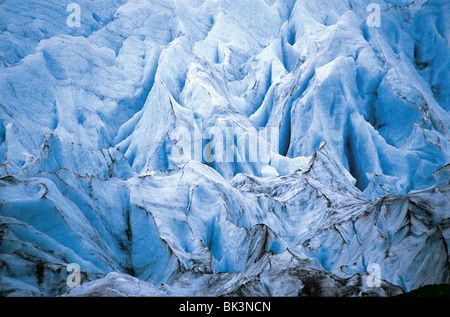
(107, 132)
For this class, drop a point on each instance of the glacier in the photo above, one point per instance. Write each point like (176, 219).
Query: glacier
(224, 148)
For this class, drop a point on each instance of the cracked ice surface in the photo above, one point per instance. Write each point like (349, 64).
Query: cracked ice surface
(90, 118)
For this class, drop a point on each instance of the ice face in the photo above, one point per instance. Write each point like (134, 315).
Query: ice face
(165, 146)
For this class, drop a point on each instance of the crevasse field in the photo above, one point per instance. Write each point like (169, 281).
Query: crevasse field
(224, 147)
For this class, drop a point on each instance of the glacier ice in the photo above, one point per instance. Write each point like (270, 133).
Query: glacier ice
(111, 133)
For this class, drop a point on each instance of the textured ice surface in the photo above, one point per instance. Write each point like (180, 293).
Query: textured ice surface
(92, 119)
